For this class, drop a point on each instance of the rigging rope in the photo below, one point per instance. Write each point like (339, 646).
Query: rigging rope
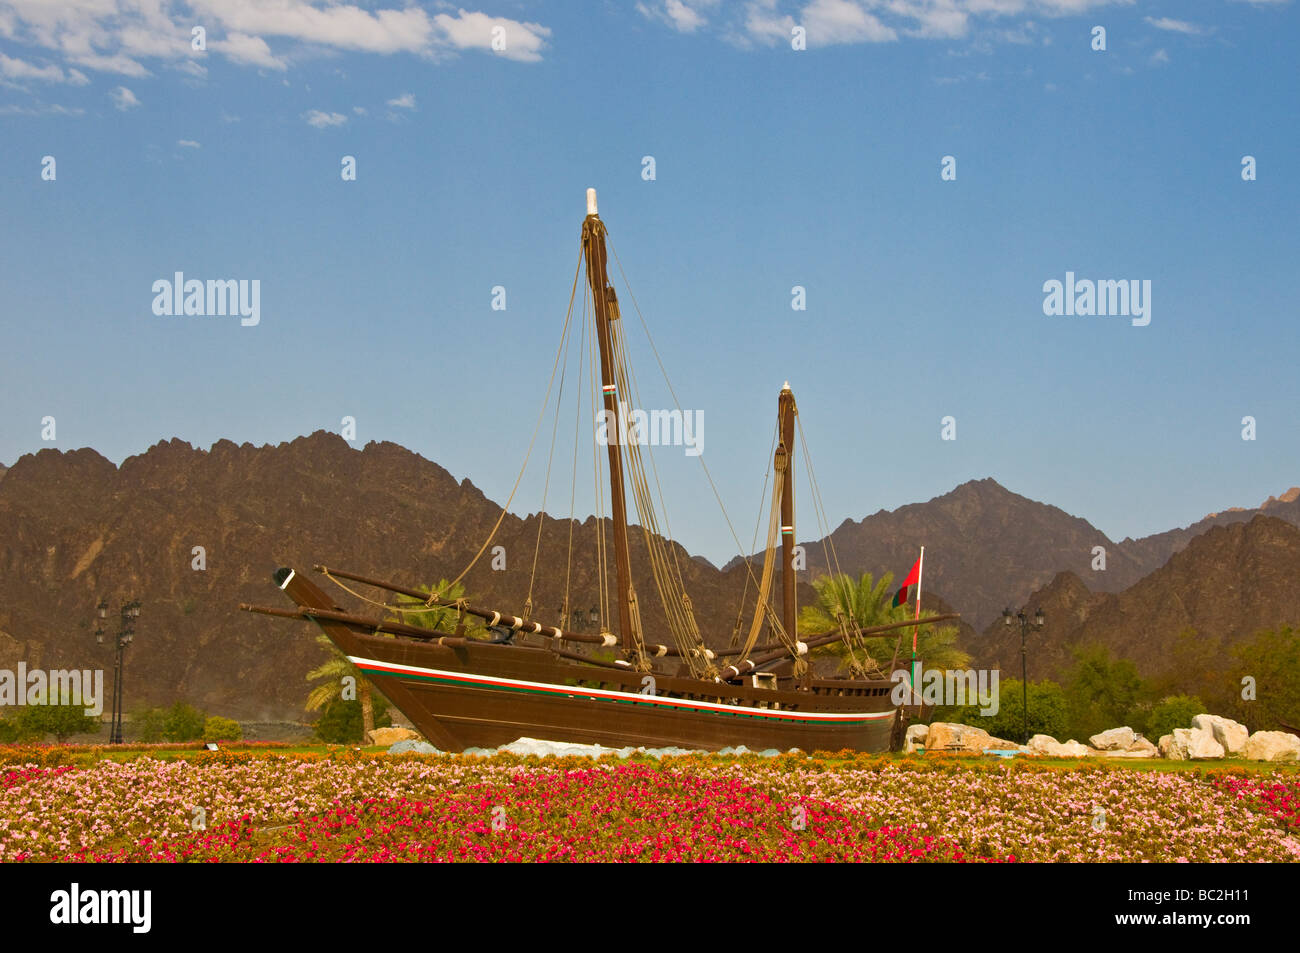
(763, 610)
(838, 581)
(749, 569)
(758, 521)
(573, 483)
(677, 606)
(430, 605)
(550, 457)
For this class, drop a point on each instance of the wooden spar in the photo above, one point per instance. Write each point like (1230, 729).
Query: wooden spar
(823, 638)
(737, 669)
(785, 416)
(606, 306)
(333, 615)
(625, 667)
(496, 618)
(552, 632)
(425, 635)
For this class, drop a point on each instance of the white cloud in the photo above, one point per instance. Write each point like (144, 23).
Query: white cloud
(322, 120)
(123, 98)
(1159, 57)
(764, 24)
(476, 31)
(122, 36)
(117, 63)
(248, 51)
(843, 21)
(682, 16)
(934, 18)
(1175, 26)
(338, 25)
(188, 144)
(359, 110)
(404, 101)
(828, 22)
(16, 69)
(40, 109)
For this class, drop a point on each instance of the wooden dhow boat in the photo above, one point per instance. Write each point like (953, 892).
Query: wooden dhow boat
(617, 688)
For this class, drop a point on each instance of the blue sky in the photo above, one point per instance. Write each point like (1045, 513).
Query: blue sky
(775, 167)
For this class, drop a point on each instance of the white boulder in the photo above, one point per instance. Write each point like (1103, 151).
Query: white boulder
(1074, 749)
(391, 736)
(1141, 748)
(1176, 746)
(1272, 746)
(945, 736)
(1231, 734)
(1048, 747)
(1042, 744)
(915, 738)
(1117, 739)
(1201, 746)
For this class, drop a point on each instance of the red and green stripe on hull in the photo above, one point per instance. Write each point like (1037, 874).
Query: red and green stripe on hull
(411, 673)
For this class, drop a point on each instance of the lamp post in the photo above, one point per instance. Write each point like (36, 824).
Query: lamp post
(1037, 623)
(125, 636)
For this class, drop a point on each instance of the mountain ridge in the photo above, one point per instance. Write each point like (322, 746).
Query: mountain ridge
(75, 527)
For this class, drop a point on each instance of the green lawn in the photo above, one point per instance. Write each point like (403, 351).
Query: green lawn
(975, 762)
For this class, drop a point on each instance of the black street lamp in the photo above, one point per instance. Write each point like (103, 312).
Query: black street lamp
(1007, 616)
(125, 636)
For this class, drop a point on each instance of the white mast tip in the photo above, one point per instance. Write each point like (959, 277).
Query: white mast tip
(591, 201)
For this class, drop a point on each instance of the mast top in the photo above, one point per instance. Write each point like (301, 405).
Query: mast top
(591, 201)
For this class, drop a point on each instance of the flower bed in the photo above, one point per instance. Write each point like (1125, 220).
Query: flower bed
(243, 806)
(1280, 800)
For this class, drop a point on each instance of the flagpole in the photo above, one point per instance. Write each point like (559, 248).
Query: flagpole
(920, 574)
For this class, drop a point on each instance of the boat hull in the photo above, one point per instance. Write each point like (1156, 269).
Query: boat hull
(466, 694)
(490, 695)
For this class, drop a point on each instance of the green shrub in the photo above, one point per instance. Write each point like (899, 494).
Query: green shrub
(1104, 692)
(1271, 658)
(149, 724)
(183, 723)
(34, 722)
(217, 728)
(1048, 713)
(1176, 711)
(340, 722)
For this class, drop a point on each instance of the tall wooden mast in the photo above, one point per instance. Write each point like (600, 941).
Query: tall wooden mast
(785, 410)
(606, 306)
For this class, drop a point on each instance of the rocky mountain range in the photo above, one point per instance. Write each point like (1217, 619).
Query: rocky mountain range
(75, 528)
(1224, 586)
(988, 548)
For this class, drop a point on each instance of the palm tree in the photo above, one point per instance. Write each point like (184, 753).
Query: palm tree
(868, 602)
(333, 671)
(441, 618)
